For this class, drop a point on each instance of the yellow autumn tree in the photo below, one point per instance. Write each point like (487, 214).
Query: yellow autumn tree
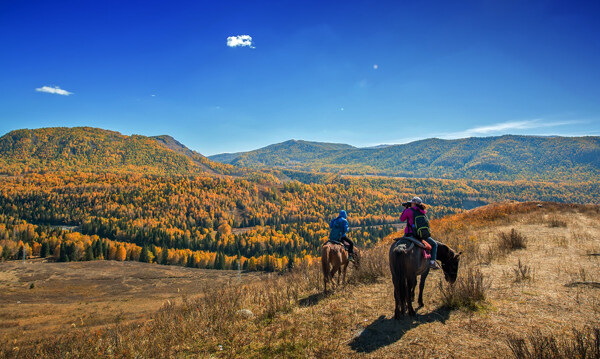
(121, 253)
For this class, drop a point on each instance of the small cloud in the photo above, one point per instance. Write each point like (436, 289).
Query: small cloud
(153, 95)
(240, 40)
(504, 127)
(375, 67)
(341, 109)
(54, 90)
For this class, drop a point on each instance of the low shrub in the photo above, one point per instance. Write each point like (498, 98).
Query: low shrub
(522, 272)
(468, 292)
(556, 222)
(582, 344)
(508, 242)
(374, 264)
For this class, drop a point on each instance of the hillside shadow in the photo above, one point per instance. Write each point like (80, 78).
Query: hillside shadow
(385, 331)
(313, 299)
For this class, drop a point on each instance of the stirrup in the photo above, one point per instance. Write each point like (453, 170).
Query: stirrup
(433, 265)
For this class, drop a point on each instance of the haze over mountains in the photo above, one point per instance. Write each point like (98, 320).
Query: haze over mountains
(499, 158)
(558, 159)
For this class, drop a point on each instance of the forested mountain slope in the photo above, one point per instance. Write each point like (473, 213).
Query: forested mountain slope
(86, 149)
(498, 158)
(292, 152)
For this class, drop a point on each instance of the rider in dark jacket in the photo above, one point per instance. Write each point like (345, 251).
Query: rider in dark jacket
(339, 228)
(408, 215)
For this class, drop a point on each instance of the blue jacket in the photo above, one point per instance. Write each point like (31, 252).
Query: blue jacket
(338, 226)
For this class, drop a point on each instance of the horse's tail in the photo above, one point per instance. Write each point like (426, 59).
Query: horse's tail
(325, 261)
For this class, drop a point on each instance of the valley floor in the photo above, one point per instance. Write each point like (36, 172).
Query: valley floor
(45, 299)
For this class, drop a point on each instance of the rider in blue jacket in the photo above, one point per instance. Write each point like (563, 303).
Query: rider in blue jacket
(339, 228)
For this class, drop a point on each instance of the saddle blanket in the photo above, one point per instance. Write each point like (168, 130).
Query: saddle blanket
(420, 243)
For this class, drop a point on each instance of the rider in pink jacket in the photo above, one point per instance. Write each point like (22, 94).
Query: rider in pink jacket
(408, 215)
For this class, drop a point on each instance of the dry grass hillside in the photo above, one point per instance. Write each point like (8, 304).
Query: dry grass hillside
(528, 286)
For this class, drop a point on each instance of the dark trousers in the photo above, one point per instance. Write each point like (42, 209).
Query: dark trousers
(434, 246)
(348, 244)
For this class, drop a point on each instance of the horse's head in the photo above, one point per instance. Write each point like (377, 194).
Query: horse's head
(450, 267)
(357, 257)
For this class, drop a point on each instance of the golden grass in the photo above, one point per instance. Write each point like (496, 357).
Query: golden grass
(581, 344)
(289, 316)
(468, 292)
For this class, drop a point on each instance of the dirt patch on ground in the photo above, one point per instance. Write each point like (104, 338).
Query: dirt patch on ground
(43, 299)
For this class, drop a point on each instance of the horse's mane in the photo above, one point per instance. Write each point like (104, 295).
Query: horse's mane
(445, 251)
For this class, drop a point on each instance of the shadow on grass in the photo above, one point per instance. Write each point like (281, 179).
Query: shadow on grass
(385, 331)
(313, 299)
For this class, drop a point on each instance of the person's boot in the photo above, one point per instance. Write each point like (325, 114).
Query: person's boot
(350, 257)
(433, 265)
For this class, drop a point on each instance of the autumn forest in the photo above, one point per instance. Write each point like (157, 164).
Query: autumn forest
(87, 194)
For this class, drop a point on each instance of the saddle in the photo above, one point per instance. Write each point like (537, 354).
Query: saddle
(338, 242)
(419, 243)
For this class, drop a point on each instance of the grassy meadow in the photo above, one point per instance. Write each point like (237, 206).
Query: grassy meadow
(528, 283)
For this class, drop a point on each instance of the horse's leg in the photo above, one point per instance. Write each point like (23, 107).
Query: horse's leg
(403, 293)
(412, 283)
(325, 276)
(421, 286)
(344, 273)
(325, 266)
(334, 270)
(397, 299)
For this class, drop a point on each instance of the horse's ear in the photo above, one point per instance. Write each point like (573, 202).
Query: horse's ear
(458, 255)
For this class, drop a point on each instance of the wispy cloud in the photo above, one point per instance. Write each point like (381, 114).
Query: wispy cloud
(240, 40)
(53, 90)
(504, 127)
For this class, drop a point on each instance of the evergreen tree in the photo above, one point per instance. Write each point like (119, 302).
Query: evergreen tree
(5, 253)
(44, 250)
(164, 256)
(144, 255)
(89, 254)
(63, 257)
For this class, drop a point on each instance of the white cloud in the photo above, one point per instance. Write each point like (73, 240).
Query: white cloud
(240, 40)
(54, 90)
(503, 127)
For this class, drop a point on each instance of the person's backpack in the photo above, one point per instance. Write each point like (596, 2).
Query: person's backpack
(420, 227)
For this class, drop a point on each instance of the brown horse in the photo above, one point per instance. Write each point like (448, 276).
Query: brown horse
(334, 258)
(406, 263)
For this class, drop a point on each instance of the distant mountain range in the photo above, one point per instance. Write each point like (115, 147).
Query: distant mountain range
(96, 150)
(499, 158)
(559, 159)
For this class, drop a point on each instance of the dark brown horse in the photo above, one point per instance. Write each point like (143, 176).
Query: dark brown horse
(334, 259)
(406, 263)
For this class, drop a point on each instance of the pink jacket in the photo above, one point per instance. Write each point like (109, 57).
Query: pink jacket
(408, 216)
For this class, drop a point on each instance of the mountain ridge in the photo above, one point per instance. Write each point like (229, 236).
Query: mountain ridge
(506, 157)
(90, 149)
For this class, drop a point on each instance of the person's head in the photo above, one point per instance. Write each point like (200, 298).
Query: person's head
(417, 202)
(343, 214)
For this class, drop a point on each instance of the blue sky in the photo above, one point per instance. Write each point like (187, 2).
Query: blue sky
(362, 72)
